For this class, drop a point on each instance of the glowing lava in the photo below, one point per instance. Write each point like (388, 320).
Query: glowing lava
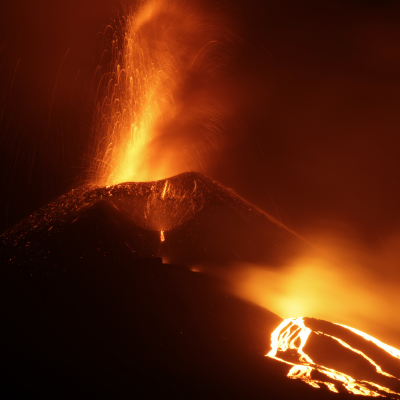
(391, 350)
(289, 340)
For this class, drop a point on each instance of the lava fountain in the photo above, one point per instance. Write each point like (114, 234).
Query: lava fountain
(158, 115)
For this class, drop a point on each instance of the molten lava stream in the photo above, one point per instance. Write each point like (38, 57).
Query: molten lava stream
(288, 342)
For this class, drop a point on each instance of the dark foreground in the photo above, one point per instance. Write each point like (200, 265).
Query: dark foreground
(142, 330)
(89, 311)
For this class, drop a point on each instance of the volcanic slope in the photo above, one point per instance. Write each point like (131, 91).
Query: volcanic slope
(130, 327)
(87, 310)
(200, 220)
(138, 329)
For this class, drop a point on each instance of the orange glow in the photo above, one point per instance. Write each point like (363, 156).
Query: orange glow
(147, 127)
(292, 334)
(343, 281)
(162, 237)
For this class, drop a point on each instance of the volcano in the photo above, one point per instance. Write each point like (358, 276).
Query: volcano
(201, 222)
(99, 297)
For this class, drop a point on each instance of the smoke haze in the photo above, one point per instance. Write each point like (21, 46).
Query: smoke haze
(343, 282)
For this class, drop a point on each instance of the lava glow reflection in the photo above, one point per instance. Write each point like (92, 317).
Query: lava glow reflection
(288, 342)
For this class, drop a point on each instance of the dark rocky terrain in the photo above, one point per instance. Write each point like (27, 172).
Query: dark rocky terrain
(89, 309)
(203, 222)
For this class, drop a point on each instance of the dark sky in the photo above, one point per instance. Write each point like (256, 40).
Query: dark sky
(318, 92)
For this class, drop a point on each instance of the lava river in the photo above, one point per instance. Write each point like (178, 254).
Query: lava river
(339, 357)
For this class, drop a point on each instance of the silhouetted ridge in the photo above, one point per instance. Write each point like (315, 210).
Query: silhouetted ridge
(203, 222)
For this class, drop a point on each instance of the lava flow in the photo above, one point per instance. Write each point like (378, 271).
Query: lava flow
(158, 113)
(316, 353)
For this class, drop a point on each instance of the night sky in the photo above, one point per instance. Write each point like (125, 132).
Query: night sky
(315, 138)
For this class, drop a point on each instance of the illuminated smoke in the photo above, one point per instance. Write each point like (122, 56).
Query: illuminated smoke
(345, 282)
(159, 111)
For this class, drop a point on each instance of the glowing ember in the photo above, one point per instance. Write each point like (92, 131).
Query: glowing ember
(288, 342)
(162, 237)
